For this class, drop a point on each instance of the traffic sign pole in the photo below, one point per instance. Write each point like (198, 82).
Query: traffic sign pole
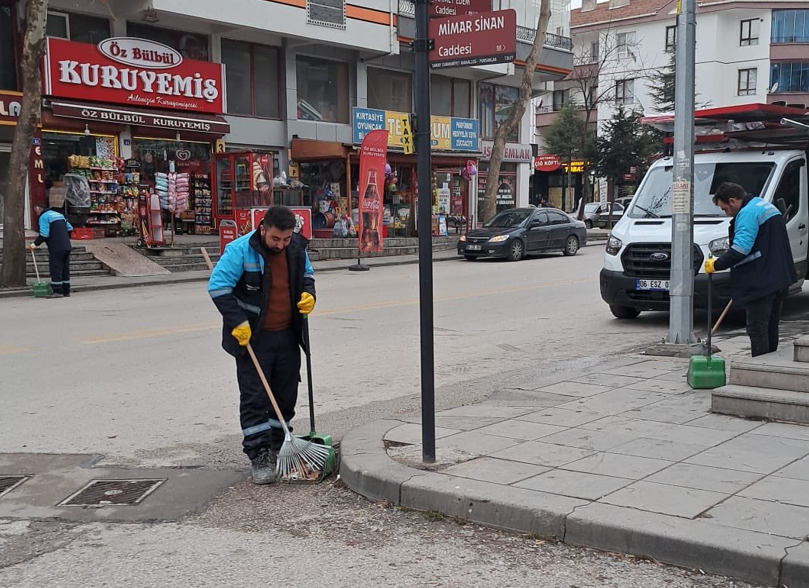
(421, 47)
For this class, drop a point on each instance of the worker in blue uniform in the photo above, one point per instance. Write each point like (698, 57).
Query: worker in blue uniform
(54, 230)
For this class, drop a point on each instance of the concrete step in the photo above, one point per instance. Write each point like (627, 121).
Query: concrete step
(776, 371)
(802, 350)
(172, 261)
(761, 403)
(187, 267)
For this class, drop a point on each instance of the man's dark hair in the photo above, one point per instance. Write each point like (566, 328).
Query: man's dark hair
(279, 217)
(728, 190)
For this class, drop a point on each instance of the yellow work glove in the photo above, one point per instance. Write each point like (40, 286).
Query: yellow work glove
(242, 333)
(709, 265)
(307, 303)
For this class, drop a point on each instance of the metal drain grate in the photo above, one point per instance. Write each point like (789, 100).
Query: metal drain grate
(8, 483)
(112, 492)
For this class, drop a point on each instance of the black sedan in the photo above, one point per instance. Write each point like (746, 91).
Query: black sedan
(518, 232)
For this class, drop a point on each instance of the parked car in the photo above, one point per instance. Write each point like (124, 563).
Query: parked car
(598, 215)
(517, 232)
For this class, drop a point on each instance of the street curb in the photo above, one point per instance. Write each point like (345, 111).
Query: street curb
(694, 544)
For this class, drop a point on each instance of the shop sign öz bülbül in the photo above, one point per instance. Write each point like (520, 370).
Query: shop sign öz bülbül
(135, 72)
(477, 39)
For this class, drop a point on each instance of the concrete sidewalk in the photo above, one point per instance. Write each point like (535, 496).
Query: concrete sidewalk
(626, 458)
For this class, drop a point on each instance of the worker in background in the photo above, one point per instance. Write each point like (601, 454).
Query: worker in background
(760, 263)
(263, 286)
(54, 230)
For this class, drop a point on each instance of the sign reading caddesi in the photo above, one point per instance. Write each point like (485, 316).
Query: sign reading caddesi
(135, 72)
(447, 133)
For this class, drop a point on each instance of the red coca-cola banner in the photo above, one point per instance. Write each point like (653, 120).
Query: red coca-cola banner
(135, 72)
(373, 155)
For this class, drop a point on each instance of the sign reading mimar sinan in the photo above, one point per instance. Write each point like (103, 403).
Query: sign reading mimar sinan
(477, 39)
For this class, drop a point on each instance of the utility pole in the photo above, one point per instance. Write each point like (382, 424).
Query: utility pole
(421, 46)
(681, 317)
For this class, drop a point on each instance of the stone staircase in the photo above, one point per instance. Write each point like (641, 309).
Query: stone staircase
(82, 264)
(773, 387)
(187, 256)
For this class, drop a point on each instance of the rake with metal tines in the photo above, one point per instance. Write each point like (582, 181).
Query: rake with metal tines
(297, 457)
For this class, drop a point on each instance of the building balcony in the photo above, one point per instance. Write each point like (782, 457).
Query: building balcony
(556, 60)
(547, 115)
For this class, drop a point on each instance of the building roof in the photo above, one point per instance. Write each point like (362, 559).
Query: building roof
(603, 13)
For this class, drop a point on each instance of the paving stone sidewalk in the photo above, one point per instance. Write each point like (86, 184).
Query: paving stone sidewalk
(626, 458)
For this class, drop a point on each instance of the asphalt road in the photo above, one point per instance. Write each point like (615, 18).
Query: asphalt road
(139, 376)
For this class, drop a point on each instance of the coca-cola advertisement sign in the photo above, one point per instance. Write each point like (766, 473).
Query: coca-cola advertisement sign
(135, 72)
(373, 155)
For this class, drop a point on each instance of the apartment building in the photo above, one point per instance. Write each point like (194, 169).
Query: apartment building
(297, 83)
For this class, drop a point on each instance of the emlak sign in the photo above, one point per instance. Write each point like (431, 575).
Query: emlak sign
(134, 72)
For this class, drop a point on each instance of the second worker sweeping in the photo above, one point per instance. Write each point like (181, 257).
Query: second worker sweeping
(261, 286)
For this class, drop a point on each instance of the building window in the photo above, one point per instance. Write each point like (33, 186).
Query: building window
(560, 99)
(790, 26)
(77, 27)
(748, 34)
(624, 43)
(390, 90)
(450, 96)
(252, 79)
(790, 77)
(625, 91)
(323, 90)
(190, 45)
(594, 52)
(747, 82)
(495, 103)
(671, 39)
(8, 59)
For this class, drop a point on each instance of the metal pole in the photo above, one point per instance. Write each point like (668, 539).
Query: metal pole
(424, 171)
(681, 318)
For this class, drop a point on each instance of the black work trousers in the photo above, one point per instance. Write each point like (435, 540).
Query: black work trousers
(763, 317)
(280, 358)
(59, 262)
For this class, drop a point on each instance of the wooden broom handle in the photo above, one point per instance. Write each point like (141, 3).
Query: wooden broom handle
(266, 386)
(722, 317)
(207, 258)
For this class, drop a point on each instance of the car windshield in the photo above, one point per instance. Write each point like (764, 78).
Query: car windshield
(654, 199)
(509, 219)
(592, 207)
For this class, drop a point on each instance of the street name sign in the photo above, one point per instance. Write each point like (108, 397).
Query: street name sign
(446, 8)
(476, 39)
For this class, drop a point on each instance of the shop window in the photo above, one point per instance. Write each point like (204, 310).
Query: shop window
(8, 60)
(790, 26)
(790, 77)
(323, 90)
(252, 78)
(749, 31)
(494, 106)
(390, 90)
(450, 96)
(747, 82)
(154, 156)
(190, 45)
(77, 27)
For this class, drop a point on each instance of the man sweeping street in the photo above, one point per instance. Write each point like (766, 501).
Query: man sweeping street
(262, 285)
(54, 230)
(760, 260)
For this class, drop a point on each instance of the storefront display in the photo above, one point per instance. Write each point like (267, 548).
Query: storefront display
(202, 200)
(506, 187)
(242, 181)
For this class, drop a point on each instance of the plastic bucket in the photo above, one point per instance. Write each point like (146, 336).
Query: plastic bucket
(323, 220)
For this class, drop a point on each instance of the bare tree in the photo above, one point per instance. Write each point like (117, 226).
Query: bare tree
(509, 126)
(13, 273)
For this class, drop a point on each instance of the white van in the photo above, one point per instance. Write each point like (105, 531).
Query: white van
(637, 262)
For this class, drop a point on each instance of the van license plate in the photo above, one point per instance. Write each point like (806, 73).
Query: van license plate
(657, 285)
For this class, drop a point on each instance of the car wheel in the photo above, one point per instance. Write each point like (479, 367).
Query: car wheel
(624, 312)
(588, 223)
(571, 246)
(516, 250)
(470, 257)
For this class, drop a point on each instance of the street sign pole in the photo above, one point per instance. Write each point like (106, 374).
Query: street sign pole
(425, 218)
(681, 318)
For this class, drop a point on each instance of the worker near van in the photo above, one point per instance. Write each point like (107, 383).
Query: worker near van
(760, 263)
(263, 286)
(54, 230)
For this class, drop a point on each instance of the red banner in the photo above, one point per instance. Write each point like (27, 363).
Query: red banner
(373, 154)
(135, 72)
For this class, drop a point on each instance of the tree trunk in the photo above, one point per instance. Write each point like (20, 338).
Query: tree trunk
(586, 193)
(511, 123)
(13, 273)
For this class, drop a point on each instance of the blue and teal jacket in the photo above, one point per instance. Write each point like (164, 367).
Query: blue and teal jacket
(55, 231)
(241, 282)
(760, 257)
